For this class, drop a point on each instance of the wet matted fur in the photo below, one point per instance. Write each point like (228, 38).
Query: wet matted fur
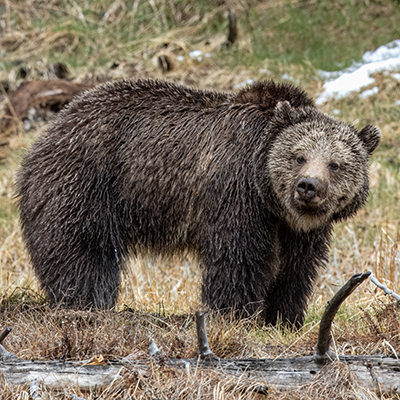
(251, 182)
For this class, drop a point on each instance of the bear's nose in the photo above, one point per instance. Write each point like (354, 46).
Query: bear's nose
(307, 188)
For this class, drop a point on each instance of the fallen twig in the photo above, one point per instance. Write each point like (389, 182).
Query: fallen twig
(34, 390)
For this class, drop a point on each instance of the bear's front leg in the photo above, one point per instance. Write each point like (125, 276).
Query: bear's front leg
(240, 263)
(302, 255)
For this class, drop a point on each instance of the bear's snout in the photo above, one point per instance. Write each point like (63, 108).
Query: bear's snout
(308, 189)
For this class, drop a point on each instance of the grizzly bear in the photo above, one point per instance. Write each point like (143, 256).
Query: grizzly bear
(251, 182)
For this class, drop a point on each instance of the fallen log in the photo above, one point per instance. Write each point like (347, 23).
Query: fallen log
(58, 374)
(377, 373)
(39, 96)
(283, 374)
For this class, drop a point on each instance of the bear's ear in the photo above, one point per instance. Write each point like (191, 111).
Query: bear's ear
(282, 107)
(283, 110)
(371, 136)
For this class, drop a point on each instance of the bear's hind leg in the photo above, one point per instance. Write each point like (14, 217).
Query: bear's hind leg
(89, 278)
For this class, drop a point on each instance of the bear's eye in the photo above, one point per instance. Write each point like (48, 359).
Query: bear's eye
(301, 160)
(333, 166)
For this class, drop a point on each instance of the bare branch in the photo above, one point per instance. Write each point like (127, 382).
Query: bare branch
(384, 287)
(324, 334)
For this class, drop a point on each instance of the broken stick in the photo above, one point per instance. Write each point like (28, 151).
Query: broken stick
(325, 326)
(204, 347)
(386, 290)
(5, 333)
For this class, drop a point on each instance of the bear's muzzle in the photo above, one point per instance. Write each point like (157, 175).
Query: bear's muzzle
(310, 191)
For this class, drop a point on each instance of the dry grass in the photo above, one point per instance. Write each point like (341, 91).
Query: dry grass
(114, 40)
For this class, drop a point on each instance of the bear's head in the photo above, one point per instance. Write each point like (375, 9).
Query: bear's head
(317, 166)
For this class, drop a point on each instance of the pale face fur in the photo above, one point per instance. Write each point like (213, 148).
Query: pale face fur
(325, 151)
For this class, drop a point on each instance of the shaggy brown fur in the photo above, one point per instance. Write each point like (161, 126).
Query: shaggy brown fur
(251, 182)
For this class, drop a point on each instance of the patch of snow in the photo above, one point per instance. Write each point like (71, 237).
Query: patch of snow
(180, 58)
(336, 111)
(243, 84)
(195, 53)
(397, 103)
(326, 75)
(352, 79)
(27, 125)
(288, 77)
(396, 76)
(386, 52)
(368, 93)
(207, 55)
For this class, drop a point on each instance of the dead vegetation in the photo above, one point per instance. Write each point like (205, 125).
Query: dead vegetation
(105, 336)
(113, 40)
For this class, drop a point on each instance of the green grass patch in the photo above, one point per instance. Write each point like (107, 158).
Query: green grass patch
(330, 35)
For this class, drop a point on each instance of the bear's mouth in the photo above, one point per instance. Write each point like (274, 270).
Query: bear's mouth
(305, 216)
(314, 207)
(308, 206)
